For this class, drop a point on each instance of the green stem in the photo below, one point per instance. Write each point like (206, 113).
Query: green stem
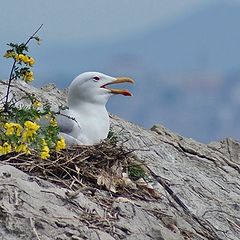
(11, 77)
(8, 87)
(31, 37)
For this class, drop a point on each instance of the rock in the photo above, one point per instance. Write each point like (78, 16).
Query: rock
(198, 184)
(47, 94)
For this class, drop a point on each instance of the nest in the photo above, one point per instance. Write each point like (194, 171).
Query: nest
(103, 166)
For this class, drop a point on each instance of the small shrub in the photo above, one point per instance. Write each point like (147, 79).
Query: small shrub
(20, 129)
(136, 171)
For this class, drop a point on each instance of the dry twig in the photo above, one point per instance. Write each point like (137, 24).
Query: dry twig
(79, 168)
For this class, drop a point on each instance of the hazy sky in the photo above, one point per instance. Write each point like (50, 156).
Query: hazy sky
(92, 20)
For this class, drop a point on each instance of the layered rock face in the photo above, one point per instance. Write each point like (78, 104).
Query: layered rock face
(198, 186)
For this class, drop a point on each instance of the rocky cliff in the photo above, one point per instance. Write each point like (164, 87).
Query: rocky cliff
(193, 190)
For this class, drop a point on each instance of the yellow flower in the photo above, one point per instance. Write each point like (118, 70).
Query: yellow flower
(10, 54)
(45, 149)
(53, 122)
(31, 129)
(28, 76)
(36, 103)
(60, 144)
(44, 142)
(22, 148)
(30, 61)
(26, 135)
(16, 57)
(9, 128)
(45, 152)
(5, 148)
(18, 129)
(48, 115)
(31, 126)
(25, 59)
(13, 127)
(20, 57)
(45, 155)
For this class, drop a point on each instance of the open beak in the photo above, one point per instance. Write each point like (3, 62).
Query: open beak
(119, 91)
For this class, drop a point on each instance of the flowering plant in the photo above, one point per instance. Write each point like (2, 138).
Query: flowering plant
(20, 129)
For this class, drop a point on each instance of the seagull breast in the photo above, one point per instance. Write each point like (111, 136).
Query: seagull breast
(88, 119)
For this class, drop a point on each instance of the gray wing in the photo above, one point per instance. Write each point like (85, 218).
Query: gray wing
(65, 124)
(69, 128)
(69, 140)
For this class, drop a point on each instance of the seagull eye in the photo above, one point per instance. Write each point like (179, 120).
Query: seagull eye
(96, 78)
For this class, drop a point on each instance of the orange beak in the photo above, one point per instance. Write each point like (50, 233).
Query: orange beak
(120, 91)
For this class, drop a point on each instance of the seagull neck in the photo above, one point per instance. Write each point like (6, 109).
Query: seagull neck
(89, 108)
(93, 120)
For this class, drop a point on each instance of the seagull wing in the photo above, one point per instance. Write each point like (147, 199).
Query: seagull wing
(69, 140)
(67, 123)
(68, 127)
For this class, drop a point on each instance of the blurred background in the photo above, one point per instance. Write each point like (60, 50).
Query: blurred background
(184, 56)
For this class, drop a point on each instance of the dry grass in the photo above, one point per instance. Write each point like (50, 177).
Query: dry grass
(102, 166)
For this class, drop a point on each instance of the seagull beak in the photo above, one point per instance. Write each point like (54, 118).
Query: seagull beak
(119, 91)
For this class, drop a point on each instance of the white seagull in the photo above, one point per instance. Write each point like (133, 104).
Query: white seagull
(86, 121)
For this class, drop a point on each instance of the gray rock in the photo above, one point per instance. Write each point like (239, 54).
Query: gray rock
(198, 183)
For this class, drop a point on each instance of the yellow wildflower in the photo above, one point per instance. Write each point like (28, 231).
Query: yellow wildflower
(45, 155)
(45, 152)
(31, 126)
(13, 127)
(16, 57)
(36, 103)
(28, 76)
(18, 128)
(30, 61)
(5, 148)
(9, 128)
(25, 59)
(44, 142)
(9, 54)
(53, 122)
(60, 144)
(26, 135)
(48, 115)
(22, 148)
(22, 57)
(31, 129)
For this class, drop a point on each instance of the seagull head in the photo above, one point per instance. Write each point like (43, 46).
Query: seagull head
(93, 87)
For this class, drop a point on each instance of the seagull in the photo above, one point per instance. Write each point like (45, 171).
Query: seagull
(86, 121)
